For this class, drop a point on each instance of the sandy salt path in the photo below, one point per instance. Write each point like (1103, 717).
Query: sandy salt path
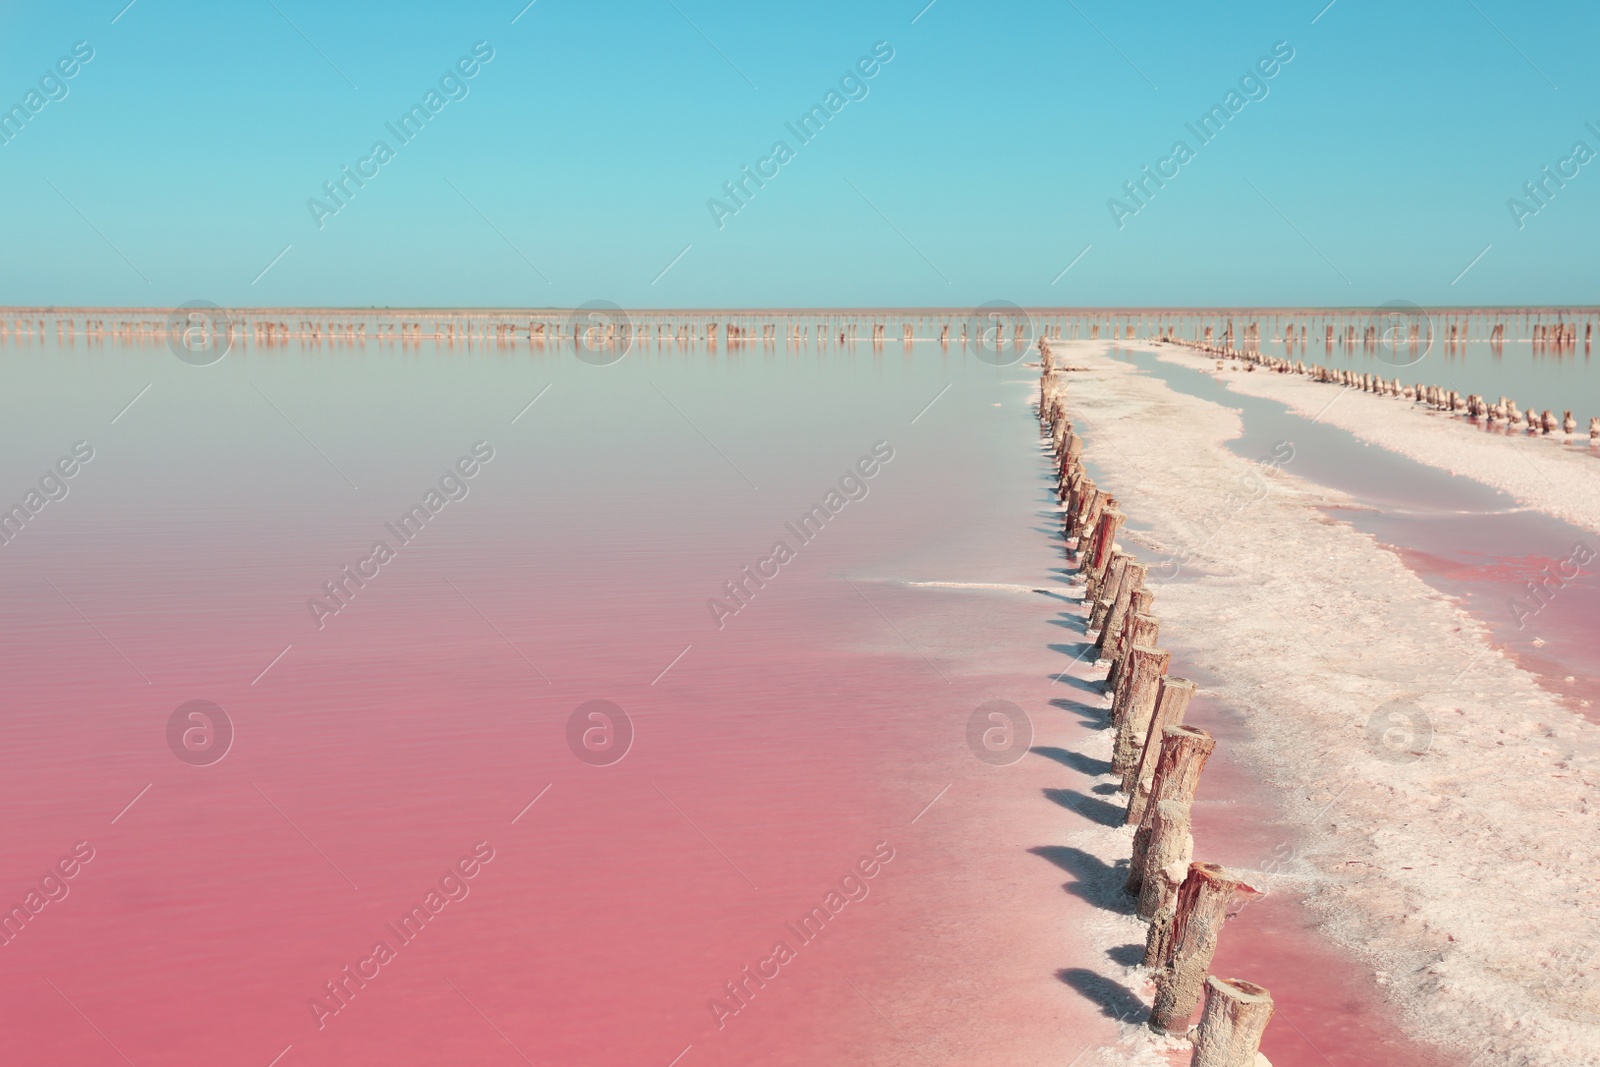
(1445, 800)
(1541, 472)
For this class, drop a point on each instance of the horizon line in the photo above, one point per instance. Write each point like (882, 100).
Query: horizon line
(957, 310)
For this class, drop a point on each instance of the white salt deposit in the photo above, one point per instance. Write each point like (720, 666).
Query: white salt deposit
(1446, 801)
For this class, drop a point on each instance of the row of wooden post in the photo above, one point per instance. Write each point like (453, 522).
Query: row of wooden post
(1159, 759)
(469, 328)
(1473, 406)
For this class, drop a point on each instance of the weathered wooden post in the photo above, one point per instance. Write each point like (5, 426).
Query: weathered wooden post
(1172, 701)
(1235, 1017)
(1106, 591)
(1095, 501)
(1071, 479)
(1105, 536)
(1139, 627)
(1132, 581)
(1078, 504)
(1166, 860)
(1135, 703)
(1184, 750)
(1089, 517)
(1203, 901)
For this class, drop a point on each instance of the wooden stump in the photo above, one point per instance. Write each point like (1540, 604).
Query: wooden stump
(1131, 582)
(1139, 627)
(1104, 592)
(1166, 861)
(1172, 700)
(1203, 903)
(1105, 537)
(1109, 585)
(1184, 750)
(1087, 494)
(1140, 631)
(1135, 703)
(1089, 514)
(1102, 503)
(1231, 1026)
(1071, 494)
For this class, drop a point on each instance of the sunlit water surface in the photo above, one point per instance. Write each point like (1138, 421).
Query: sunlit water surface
(420, 739)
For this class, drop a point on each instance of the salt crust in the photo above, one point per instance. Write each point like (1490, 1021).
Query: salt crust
(1542, 472)
(1466, 876)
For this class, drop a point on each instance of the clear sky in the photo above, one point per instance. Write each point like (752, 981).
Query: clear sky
(976, 164)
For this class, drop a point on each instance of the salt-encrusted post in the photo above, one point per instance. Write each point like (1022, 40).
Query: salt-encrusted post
(1166, 861)
(1096, 503)
(1088, 514)
(1103, 592)
(1202, 908)
(1135, 703)
(1067, 488)
(1074, 449)
(1184, 750)
(1111, 628)
(1139, 627)
(1105, 536)
(1231, 1026)
(1172, 700)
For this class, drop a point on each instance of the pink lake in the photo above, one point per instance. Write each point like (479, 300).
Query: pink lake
(428, 719)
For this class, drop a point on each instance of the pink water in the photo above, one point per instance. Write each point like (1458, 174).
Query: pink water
(372, 754)
(426, 723)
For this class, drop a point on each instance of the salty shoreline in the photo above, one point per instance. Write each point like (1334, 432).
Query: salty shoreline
(1446, 863)
(1537, 471)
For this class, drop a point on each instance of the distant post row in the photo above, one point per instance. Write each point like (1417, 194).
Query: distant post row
(1503, 411)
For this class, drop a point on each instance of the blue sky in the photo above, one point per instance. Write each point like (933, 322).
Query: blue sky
(979, 164)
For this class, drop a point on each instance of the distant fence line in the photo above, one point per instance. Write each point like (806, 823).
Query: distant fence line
(1555, 329)
(1501, 413)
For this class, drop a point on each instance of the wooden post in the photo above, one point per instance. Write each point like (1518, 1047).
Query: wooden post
(1104, 540)
(1172, 700)
(1088, 513)
(1104, 593)
(1074, 449)
(1235, 1017)
(1166, 861)
(1134, 632)
(1077, 483)
(1184, 750)
(1202, 908)
(1142, 632)
(1064, 486)
(1135, 703)
(1111, 629)
(1088, 518)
